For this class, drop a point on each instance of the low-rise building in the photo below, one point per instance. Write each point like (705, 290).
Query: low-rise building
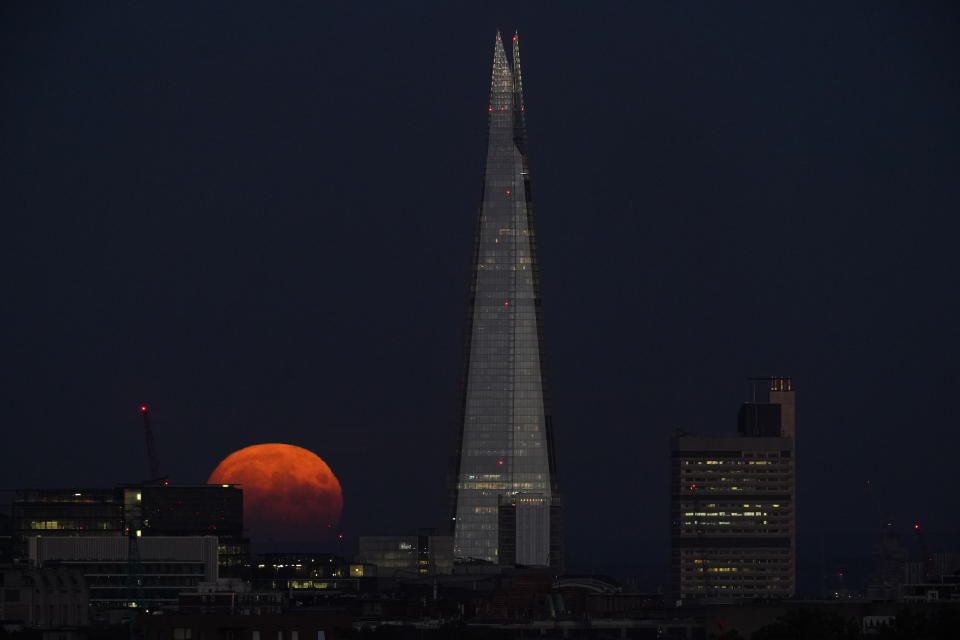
(230, 596)
(164, 510)
(166, 566)
(44, 598)
(300, 626)
(423, 553)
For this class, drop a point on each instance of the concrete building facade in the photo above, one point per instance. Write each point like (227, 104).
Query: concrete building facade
(165, 567)
(165, 510)
(733, 503)
(44, 598)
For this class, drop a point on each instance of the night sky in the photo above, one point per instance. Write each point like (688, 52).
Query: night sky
(257, 218)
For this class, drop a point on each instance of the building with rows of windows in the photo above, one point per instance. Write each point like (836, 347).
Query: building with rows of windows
(733, 505)
(505, 437)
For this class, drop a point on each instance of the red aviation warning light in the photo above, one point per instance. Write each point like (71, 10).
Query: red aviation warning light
(144, 408)
(506, 303)
(499, 461)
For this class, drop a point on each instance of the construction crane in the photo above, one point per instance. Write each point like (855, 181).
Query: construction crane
(134, 521)
(152, 460)
(135, 573)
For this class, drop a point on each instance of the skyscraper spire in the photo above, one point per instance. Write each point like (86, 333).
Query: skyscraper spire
(520, 118)
(505, 462)
(501, 79)
(517, 76)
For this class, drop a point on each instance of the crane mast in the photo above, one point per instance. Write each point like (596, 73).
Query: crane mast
(152, 459)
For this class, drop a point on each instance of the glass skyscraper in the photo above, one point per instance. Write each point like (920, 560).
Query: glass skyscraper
(505, 445)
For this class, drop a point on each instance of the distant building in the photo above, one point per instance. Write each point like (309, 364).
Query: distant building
(154, 510)
(66, 512)
(6, 539)
(167, 566)
(196, 510)
(733, 505)
(301, 626)
(230, 596)
(44, 598)
(890, 566)
(945, 588)
(303, 574)
(944, 563)
(905, 569)
(424, 553)
(530, 531)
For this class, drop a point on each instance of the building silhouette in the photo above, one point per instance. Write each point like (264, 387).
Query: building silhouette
(152, 509)
(166, 566)
(529, 520)
(55, 600)
(733, 504)
(419, 553)
(505, 446)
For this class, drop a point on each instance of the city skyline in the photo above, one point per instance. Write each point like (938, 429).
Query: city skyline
(260, 227)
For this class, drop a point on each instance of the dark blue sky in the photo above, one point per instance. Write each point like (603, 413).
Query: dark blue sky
(257, 218)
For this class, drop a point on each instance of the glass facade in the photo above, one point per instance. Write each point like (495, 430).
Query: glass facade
(156, 510)
(67, 512)
(406, 555)
(168, 565)
(196, 510)
(505, 443)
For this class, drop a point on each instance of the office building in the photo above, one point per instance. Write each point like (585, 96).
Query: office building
(230, 596)
(52, 598)
(195, 510)
(307, 579)
(66, 512)
(423, 553)
(152, 509)
(733, 504)
(165, 567)
(525, 522)
(505, 444)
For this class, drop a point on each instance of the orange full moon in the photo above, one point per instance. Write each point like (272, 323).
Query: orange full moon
(289, 493)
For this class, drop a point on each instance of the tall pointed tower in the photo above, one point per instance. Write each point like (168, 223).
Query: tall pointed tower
(506, 499)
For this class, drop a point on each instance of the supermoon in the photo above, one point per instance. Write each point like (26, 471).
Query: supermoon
(289, 493)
